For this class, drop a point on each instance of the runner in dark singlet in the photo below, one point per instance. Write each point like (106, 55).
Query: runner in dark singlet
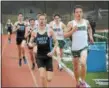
(19, 27)
(44, 52)
(9, 27)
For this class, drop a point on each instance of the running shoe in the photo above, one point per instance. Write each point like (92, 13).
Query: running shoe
(78, 86)
(20, 62)
(25, 61)
(83, 84)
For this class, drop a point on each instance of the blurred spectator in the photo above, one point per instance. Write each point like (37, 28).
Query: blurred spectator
(92, 23)
(27, 21)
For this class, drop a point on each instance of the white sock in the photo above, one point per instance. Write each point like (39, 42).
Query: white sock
(60, 66)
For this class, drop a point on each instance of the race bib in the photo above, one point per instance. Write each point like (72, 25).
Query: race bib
(22, 28)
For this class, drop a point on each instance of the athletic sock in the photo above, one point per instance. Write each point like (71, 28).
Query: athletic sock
(60, 66)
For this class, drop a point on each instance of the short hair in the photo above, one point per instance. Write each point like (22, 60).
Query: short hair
(38, 13)
(20, 13)
(56, 15)
(43, 14)
(77, 6)
(31, 19)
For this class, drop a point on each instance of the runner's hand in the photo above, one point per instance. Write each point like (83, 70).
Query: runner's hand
(91, 40)
(75, 28)
(18, 27)
(30, 44)
(6, 27)
(50, 54)
(30, 31)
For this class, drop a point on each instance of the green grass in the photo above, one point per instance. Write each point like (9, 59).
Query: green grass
(96, 75)
(91, 75)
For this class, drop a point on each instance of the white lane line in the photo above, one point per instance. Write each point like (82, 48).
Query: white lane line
(69, 71)
(33, 76)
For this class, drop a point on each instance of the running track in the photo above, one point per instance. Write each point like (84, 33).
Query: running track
(15, 76)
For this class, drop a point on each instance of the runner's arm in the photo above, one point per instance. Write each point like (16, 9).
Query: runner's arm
(33, 35)
(50, 24)
(64, 27)
(69, 30)
(27, 32)
(54, 39)
(15, 27)
(6, 26)
(90, 32)
(12, 26)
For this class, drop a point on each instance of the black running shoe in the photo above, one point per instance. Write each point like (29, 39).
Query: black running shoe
(33, 66)
(9, 41)
(20, 62)
(25, 61)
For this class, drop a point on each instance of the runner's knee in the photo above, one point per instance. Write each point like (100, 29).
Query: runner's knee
(83, 64)
(75, 64)
(35, 50)
(23, 44)
(83, 61)
(49, 79)
(75, 61)
(8, 33)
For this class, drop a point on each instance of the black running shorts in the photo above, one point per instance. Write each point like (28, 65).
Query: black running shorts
(44, 61)
(9, 30)
(19, 40)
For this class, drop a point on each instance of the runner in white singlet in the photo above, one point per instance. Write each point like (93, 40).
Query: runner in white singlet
(79, 29)
(59, 29)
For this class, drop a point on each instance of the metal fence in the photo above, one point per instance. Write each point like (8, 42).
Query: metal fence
(97, 10)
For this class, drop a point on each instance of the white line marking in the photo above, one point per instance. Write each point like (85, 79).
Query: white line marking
(33, 76)
(71, 73)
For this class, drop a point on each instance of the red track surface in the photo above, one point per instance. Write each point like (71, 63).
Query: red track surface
(15, 76)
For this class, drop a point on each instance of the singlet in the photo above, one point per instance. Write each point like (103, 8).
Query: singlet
(43, 43)
(21, 31)
(80, 37)
(58, 31)
(9, 26)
